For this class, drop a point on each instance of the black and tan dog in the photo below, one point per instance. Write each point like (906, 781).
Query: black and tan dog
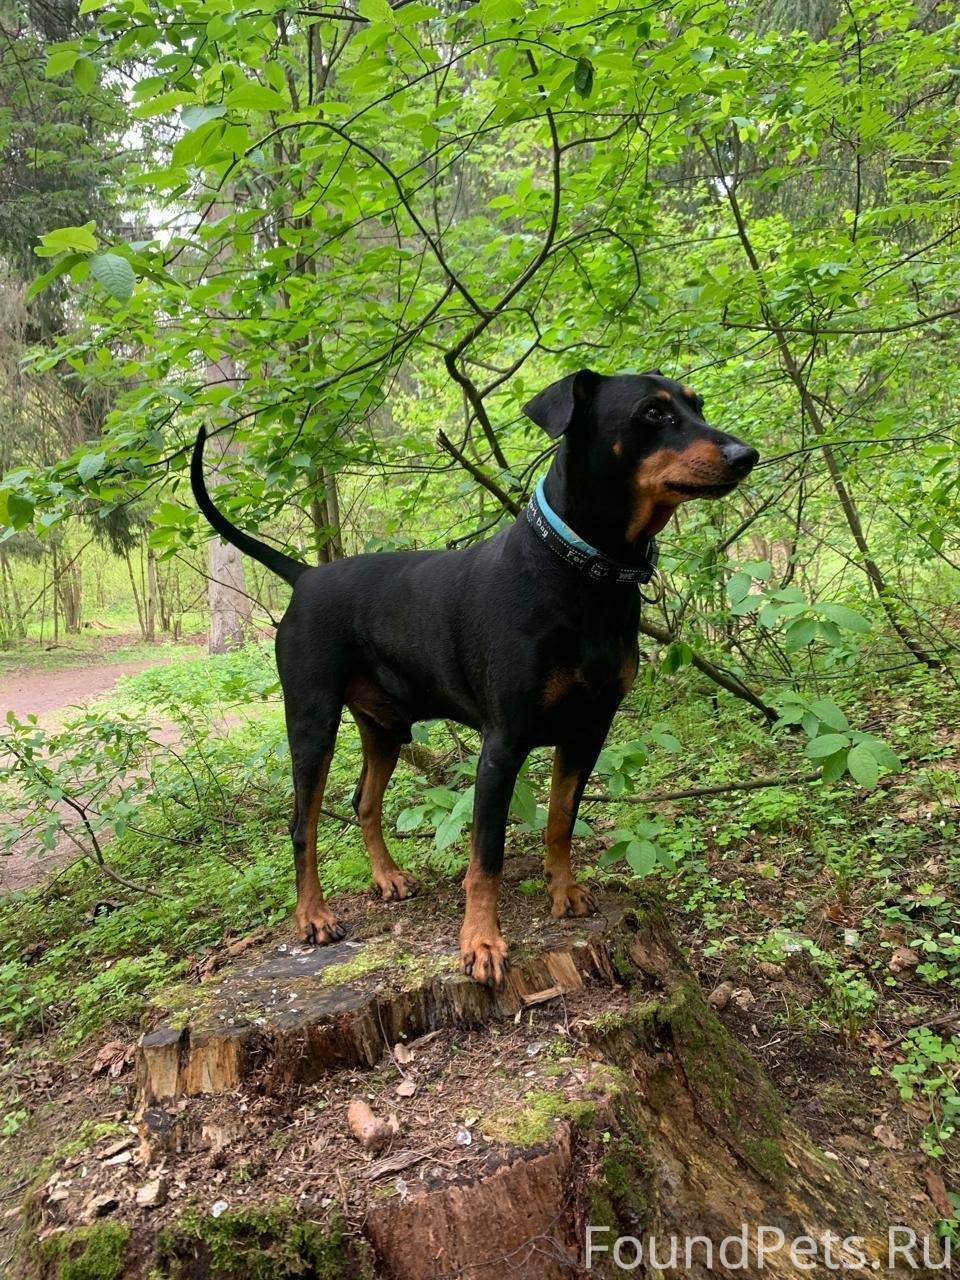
(530, 637)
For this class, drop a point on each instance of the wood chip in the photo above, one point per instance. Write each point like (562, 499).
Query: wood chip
(406, 1088)
(424, 1040)
(152, 1194)
(122, 1144)
(402, 1054)
(393, 1164)
(541, 997)
(903, 959)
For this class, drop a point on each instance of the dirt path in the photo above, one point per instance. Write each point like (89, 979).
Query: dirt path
(42, 693)
(47, 694)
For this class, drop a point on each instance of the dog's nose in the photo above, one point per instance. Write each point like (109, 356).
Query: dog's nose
(740, 458)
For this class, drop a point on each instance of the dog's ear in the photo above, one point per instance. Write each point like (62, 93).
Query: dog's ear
(555, 406)
(655, 373)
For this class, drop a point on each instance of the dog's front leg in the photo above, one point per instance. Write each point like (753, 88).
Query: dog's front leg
(483, 951)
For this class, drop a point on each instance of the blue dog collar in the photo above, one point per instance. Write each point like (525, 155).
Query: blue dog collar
(563, 542)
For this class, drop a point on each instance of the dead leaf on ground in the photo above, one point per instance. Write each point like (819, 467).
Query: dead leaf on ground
(836, 914)
(903, 958)
(887, 1138)
(402, 1053)
(938, 1193)
(113, 1059)
(406, 1088)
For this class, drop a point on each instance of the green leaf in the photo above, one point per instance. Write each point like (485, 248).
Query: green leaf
(826, 745)
(863, 766)
(114, 274)
(846, 618)
(375, 10)
(19, 511)
(738, 588)
(524, 803)
(59, 268)
(799, 634)
(410, 819)
(193, 117)
(90, 465)
(257, 97)
(84, 74)
(677, 655)
(829, 714)
(885, 757)
(641, 857)
(834, 767)
(67, 240)
(448, 831)
(583, 77)
(61, 60)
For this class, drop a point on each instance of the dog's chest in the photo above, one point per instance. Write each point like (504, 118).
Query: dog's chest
(587, 674)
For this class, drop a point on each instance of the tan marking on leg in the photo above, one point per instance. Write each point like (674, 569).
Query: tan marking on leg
(568, 897)
(380, 755)
(483, 949)
(314, 920)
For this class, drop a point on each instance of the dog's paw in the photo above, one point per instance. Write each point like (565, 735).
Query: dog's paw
(395, 885)
(483, 958)
(571, 899)
(318, 926)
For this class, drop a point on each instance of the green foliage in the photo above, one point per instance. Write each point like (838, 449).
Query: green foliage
(85, 1253)
(261, 1242)
(931, 1071)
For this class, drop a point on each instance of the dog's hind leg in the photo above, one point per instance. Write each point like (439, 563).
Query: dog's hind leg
(572, 765)
(311, 746)
(483, 951)
(381, 749)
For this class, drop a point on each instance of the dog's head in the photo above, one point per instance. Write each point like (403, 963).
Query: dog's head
(644, 435)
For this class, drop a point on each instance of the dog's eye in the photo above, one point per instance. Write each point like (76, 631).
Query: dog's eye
(657, 411)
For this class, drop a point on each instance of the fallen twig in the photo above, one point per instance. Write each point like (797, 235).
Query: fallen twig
(717, 789)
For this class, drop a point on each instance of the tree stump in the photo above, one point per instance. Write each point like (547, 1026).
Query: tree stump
(596, 1097)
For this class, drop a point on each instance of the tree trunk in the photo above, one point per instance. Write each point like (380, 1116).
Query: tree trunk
(226, 585)
(137, 598)
(18, 628)
(69, 591)
(151, 600)
(325, 516)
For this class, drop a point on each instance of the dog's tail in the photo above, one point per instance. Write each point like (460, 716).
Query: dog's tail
(284, 566)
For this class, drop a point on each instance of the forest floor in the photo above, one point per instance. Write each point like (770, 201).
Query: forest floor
(821, 921)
